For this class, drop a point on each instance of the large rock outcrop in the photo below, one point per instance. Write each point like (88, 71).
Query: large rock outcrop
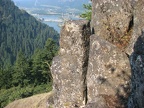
(103, 70)
(89, 70)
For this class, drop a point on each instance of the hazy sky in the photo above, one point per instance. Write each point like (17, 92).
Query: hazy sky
(50, 2)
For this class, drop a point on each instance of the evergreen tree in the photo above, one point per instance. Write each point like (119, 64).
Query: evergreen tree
(42, 61)
(21, 75)
(6, 77)
(88, 13)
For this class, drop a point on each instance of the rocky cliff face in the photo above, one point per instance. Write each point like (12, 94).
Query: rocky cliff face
(101, 63)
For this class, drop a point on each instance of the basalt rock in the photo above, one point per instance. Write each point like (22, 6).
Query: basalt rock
(70, 68)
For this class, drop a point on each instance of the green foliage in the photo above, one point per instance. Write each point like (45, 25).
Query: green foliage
(21, 75)
(88, 13)
(5, 77)
(28, 76)
(41, 62)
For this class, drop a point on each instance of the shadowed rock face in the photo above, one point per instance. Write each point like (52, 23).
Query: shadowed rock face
(136, 99)
(103, 70)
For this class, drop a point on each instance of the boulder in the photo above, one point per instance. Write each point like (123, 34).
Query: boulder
(70, 67)
(108, 73)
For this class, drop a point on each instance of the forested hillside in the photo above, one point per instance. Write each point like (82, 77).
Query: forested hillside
(27, 76)
(27, 48)
(20, 31)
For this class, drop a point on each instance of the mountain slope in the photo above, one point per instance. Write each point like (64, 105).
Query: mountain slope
(20, 31)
